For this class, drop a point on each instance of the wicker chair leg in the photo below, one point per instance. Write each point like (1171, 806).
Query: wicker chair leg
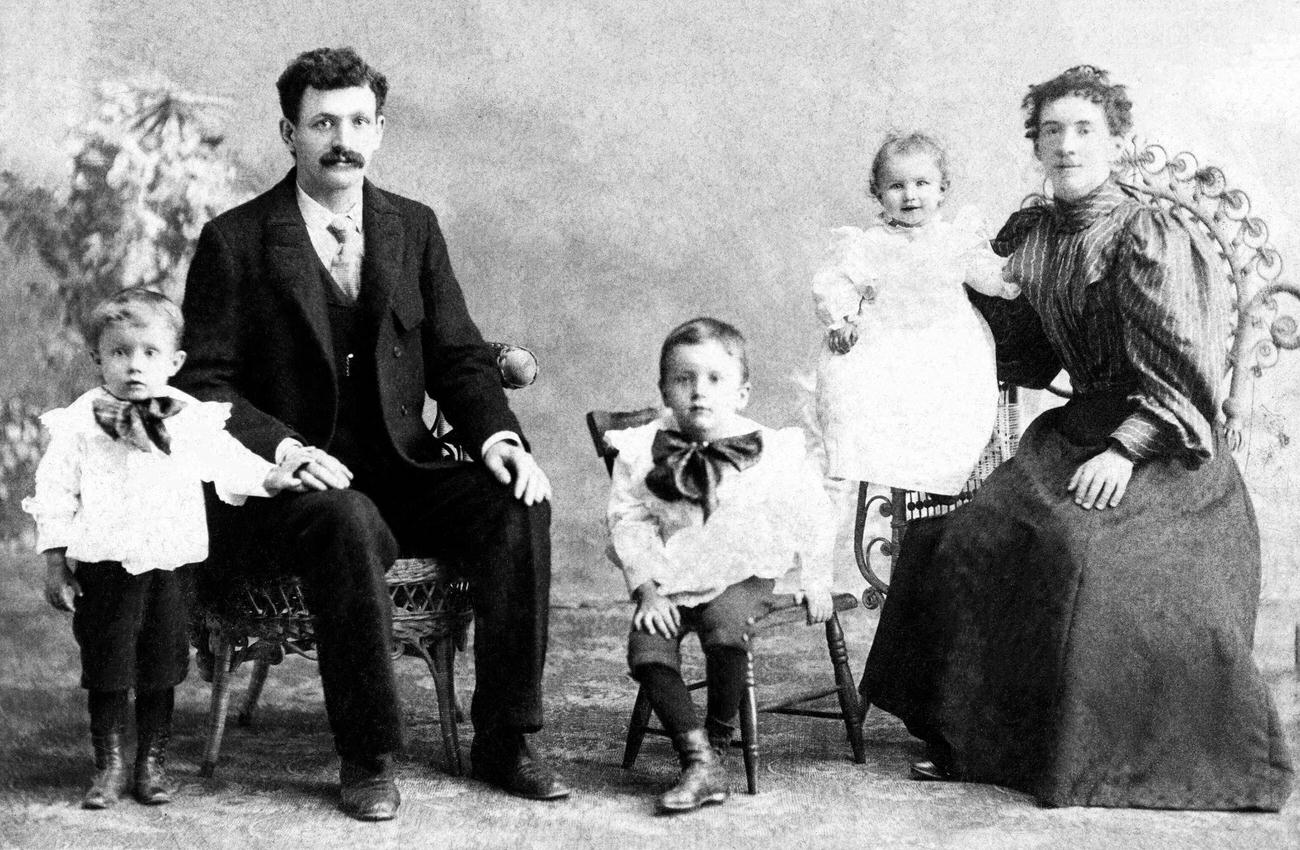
(219, 704)
(636, 728)
(749, 727)
(442, 662)
(848, 693)
(256, 682)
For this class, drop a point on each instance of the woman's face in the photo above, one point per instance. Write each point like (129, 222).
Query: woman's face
(1075, 146)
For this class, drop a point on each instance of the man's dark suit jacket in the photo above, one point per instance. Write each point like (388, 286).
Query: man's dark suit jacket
(258, 332)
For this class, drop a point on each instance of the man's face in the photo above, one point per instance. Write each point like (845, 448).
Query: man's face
(336, 134)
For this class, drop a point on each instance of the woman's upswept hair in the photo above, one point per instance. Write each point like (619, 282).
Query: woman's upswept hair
(913, 142)
(1085, 81)
(701, 330)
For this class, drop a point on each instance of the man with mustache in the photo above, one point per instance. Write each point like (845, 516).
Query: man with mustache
(324, 311)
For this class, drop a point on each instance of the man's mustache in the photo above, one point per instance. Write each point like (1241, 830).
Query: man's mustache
(337, 156)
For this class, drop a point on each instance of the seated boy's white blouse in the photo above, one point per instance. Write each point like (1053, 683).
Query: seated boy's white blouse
(953, 252)
(105, 500)
(773, 520)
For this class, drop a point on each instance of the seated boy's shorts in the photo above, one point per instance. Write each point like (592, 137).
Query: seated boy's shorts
(723, 621)
(132, 629)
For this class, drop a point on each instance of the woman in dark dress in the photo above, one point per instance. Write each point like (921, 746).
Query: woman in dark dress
(1082, 629)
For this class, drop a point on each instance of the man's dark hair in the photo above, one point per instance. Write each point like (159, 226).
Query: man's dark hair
(701, 330)
(327, 68)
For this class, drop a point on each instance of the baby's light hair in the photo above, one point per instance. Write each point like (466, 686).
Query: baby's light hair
(136, 306)
(704, 329)
(896, 144)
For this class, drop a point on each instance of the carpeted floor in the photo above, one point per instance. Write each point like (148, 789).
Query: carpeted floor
(275, 785)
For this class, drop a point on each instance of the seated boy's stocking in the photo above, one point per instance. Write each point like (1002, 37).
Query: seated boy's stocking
(668, 696)
(725, 668)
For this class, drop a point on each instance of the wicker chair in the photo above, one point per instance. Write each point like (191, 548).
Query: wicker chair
(263, 621)
(787, 612)
(1253, 269)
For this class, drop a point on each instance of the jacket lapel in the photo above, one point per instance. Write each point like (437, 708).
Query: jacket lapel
(293, 263)
(381, 269)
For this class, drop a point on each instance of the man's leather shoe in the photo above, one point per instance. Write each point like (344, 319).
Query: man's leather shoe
(510, 765)
(929, 771)
(368, 791)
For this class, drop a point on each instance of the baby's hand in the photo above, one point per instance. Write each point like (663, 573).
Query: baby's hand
(655, 614)
(61, 586)
(284, 477)
(842, 339)
(820, 607)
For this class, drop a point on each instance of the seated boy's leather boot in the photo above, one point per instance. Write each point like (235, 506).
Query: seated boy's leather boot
(110, 778)
(720, 737)
(703, 778)
(151, 785)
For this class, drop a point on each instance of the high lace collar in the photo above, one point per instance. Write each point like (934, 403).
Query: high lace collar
(1073, 216)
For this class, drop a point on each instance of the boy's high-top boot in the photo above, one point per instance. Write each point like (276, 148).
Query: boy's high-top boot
(153, 713)
(720, 737)
(703, 778)
(107, 722)
(110, 779)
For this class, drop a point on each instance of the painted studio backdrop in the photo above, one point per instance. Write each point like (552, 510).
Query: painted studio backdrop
(605, 170)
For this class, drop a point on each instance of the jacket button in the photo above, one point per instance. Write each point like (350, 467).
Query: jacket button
(397, 351)
(404, 410)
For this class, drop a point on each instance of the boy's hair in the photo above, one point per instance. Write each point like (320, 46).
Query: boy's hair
(136, 306)
(327, 68)
(913, 142)
(701, 330)
(1088, 82)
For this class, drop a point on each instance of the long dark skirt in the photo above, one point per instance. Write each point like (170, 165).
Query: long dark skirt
(1090, 658)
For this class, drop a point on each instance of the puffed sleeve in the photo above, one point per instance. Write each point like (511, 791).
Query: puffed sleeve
(58, 483)
(1173, 302)
(1024, 353)
(235, 471)
(837, 287)
(982, 268)
(635, 541)
(809, 513)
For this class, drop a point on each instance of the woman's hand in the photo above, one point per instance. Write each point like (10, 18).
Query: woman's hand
(655, 614)
(841, 339)
(1101, 480)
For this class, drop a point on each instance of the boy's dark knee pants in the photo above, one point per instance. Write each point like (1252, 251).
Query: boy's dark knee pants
(721, 622)
(132, 629)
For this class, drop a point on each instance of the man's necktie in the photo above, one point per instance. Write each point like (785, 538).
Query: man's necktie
(684, 469)
(139, 423)
(346, 265)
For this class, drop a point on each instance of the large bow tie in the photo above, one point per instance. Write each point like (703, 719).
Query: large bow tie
(139, 423)
(685, 469)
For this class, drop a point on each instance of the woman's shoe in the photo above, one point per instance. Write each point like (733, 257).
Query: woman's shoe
(929, 771)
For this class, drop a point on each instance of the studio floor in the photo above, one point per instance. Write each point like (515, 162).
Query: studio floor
(275, 785)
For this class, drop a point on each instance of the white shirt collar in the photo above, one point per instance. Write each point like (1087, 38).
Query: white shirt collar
(318, 216)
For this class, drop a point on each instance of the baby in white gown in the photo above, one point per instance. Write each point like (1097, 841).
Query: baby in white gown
(906, 384)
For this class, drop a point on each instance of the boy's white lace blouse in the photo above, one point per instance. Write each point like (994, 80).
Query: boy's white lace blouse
(107, 501)
(774, 520)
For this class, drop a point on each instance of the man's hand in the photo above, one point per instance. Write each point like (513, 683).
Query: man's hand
(317, 469)
(512, 464)
(843, 338)
(1101, 480)
(284, 477)
(61, 587)
(820, 606)
(655, 614)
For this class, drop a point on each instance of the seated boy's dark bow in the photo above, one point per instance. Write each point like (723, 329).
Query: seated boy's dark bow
(684, 469)
(140, 423)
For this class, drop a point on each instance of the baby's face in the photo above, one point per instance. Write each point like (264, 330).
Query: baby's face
(137, 361)
(910, 188)
(704, 386)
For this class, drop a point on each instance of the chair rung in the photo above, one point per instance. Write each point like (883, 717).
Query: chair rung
(799, 699)
(802, 712)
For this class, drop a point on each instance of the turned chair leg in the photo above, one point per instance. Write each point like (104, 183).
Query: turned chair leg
(442, 664)
(636, 728)
(256, 681)
(847, 692)
(220, 702)
(749, 726)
